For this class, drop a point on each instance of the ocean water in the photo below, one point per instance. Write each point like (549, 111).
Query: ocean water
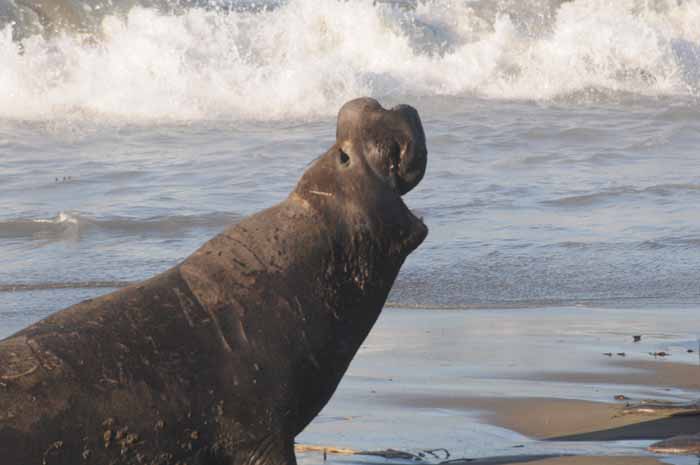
(563, 137)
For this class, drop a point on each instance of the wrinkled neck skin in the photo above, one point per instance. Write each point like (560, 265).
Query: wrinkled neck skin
(371, 228)
(325, 275)
(371, 232)
(353, 195)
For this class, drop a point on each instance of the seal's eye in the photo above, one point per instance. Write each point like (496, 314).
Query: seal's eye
(344, 158)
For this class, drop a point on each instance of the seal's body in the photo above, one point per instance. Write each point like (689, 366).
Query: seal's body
(226, 357)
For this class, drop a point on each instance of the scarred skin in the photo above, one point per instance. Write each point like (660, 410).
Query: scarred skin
(226, 357)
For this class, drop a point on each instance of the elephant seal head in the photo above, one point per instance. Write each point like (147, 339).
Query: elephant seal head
(392, 141)
(379, 155)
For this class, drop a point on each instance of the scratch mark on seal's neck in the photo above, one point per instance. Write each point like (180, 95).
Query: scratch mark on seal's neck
(325, 194)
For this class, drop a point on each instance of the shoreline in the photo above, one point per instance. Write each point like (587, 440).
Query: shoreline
(656, 373)
(553, 420)
(513, 386)
(542, 418)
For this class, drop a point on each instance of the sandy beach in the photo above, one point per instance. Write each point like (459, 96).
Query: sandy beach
(515, 386)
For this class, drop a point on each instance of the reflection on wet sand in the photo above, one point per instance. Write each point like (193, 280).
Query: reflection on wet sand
(514, 386)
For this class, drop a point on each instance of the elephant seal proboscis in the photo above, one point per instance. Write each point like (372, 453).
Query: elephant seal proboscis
(226, 357)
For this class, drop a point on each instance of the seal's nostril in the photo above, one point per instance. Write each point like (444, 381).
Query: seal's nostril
(344, 158)
(394, 157)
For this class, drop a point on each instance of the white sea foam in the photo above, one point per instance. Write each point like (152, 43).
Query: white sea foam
(304, 58)
(70, 225)
(64, 226)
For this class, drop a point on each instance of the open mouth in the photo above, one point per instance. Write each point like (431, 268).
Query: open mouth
(419, 231)
(415, 231)
(406, 166)
(405, 172)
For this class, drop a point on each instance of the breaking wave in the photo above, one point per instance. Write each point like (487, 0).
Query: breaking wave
(73, 225)
(301, 59)
(29, 287)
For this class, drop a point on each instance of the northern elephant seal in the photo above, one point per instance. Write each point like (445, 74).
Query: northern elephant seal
(226, 357)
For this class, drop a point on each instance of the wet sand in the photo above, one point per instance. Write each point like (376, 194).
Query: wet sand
(515, 386)
(581, 420)
(660, 373)
(570, 420)
(579, 460)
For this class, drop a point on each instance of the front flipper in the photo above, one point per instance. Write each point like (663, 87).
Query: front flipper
(272, 450)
